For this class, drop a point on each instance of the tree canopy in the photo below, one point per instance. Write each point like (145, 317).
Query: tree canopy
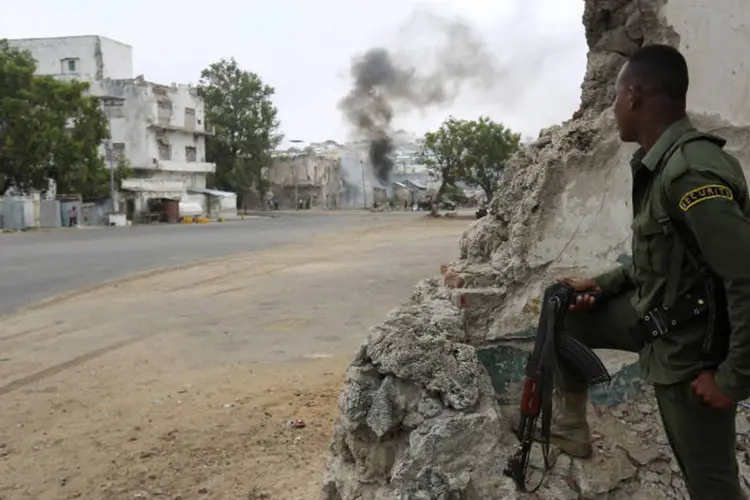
(48, 129)
(240, 108)
(445, 152)
(490, 144)
(472, 151)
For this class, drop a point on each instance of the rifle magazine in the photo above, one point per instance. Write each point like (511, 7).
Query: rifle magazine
(582, 360)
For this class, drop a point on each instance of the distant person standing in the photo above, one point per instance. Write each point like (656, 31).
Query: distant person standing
(72, 217)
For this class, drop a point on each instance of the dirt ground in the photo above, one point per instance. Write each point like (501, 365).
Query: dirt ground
(180, 384)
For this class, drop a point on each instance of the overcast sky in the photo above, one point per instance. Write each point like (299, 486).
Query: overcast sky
(304, 48)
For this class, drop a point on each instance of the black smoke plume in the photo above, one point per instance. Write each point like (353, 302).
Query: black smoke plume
(384, 79)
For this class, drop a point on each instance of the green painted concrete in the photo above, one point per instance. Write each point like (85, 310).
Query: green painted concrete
(625, 259)
(505, 365)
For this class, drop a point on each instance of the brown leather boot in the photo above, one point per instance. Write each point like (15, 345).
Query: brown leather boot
(569, 430)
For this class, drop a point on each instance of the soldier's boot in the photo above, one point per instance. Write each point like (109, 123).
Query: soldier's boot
(569, 430)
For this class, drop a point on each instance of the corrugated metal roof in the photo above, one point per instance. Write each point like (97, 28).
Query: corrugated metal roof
(211, 192)
(416, 184)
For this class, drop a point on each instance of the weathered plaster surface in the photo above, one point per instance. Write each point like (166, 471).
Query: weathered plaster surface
(313, 175)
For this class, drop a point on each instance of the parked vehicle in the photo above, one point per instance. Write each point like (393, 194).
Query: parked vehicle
(426, 204)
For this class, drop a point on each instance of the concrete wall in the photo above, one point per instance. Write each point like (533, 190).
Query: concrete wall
(94, 214)
(714, 35)
(166, 181)
(117, 59)
(18, 212)
(98, 57)
(564, 205)
(49, 213)
(587, 222)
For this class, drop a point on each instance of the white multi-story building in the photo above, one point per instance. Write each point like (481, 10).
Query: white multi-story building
(159, 129)
(87, 58)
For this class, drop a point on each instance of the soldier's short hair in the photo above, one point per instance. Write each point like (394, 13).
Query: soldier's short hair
(661, 69)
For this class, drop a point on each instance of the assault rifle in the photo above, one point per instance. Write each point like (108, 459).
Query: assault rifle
(552, 346)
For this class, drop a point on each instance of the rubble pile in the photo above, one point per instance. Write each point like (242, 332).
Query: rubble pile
(424, 412)
(420, 421)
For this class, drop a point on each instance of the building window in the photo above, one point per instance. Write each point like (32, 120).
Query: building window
(118, 151)
(190, 118)
(114, 108)
(190, 153)
(70, 65)
(165, 150)
(164, 111)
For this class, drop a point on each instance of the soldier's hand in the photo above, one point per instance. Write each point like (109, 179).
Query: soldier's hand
(705, 387)
(584, 302)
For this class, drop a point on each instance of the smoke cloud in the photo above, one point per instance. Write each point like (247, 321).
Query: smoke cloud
(411, 79)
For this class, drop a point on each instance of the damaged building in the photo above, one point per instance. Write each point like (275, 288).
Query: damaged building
(159, 129)
(426, 405)
(312, 179)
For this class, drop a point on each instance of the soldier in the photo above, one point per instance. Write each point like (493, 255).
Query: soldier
(684, 302)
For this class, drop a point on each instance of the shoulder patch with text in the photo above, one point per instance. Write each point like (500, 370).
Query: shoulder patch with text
(707, 192)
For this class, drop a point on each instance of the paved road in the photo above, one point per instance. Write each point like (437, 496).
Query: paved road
(39, 265)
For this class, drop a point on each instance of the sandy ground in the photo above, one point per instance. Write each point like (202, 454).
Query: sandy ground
(180, 384)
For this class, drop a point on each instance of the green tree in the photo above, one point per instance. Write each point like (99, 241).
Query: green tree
(445, 152)
(48, 129)
(239, 107)
(489, 146)
(97, 186)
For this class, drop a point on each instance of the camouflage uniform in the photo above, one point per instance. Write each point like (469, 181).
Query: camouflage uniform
(691, 213)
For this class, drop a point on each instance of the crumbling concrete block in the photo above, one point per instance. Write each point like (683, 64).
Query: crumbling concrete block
(420, 414)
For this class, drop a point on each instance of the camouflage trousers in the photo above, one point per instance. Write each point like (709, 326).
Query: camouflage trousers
(702, 439)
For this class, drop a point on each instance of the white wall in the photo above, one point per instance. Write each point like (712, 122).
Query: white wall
(714, 37)
(98, 57)
(194, 180)
(594, 196)
(183, 96)
(118, 59)
(128, 122)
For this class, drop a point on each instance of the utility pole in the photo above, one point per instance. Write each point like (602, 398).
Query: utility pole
(296, 183)
(294, 173)
(110, 160)
(364, 189)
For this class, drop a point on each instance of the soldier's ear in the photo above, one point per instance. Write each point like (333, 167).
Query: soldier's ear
(634, 97)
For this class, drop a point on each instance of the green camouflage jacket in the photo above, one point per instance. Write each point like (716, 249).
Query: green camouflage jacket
(704, 187)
